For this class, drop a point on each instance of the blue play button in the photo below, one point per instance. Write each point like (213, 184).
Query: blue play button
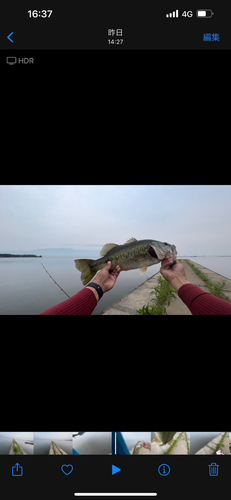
(114, 469)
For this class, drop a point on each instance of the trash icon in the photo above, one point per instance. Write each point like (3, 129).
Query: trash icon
(213, 469)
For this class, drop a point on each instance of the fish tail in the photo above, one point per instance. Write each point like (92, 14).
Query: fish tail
(84, 266)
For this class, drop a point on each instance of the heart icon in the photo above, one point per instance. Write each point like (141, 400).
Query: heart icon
(67, 469)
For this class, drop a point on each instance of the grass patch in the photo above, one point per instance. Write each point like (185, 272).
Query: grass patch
(187, 443)
(176, 441)
(54, 446)
(17, 450)
(173, 444)
(163, 294)
(220, 445)
(214, 288)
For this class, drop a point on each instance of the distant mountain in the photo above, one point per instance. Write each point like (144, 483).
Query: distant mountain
(58, 252)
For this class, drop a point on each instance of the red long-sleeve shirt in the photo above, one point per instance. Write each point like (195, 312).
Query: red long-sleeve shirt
(83, 302)
(197, 300)
(200, 302)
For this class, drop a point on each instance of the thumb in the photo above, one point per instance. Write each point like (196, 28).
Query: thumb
(108, 265)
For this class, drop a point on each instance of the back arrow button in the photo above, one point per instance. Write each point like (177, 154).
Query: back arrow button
(10, 36)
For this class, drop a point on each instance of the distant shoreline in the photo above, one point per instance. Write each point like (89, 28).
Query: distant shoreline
(183, 256)
(17, 255)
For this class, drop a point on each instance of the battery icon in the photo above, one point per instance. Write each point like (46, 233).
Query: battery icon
(202, 13)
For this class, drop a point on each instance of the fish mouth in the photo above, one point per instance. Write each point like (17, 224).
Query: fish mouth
(152, 252)
(157, 252)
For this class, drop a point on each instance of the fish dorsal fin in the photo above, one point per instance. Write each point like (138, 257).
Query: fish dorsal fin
(106, 248)
(130, 241)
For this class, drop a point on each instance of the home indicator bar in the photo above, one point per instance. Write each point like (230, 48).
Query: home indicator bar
(115, 494)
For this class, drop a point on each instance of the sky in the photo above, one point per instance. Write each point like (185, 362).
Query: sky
(131, 437)
(195, 218)
(37, 435)
(26, 436)
(53, 435)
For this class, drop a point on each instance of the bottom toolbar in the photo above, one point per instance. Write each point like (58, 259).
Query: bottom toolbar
(94, 476)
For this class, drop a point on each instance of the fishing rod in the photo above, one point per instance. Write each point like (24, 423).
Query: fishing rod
(55, 281)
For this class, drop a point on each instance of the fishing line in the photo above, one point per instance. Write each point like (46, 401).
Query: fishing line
(55, 281)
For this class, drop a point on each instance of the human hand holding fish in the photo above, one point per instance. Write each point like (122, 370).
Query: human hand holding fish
(146, 445)
(106, 278)
(173, 273)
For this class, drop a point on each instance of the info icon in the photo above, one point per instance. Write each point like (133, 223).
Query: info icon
(164, 469)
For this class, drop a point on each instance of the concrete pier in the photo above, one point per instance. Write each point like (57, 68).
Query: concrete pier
(56, 450)
(133, 300)
(16, 449)
(179, 446)
(215, 277)
(139, 297)
(221, 442)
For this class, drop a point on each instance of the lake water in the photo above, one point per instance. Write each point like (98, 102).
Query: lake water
(27, 447)
(5, 445)
(220, 265)
(93, 443)
(25, 287)
(42, 446)
(132, 438)
(200, 439)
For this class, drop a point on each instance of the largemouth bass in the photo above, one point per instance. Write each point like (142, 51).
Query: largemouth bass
(164, 437)
(132, 255)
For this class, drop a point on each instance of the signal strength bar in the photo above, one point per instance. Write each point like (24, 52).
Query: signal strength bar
(173, 14)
